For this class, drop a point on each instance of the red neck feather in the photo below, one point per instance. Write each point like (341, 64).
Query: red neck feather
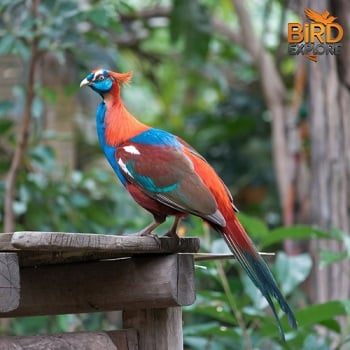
(120, 124)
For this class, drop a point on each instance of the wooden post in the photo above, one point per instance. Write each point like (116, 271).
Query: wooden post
(157, 329)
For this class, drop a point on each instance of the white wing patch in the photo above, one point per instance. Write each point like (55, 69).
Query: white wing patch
(124, 168)
(131, 149)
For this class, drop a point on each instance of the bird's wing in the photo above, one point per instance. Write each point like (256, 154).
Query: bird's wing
(193, 153)
(323, 17)
(313, 15)
(155, 162)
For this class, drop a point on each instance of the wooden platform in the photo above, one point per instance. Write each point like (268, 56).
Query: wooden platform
(45, 273)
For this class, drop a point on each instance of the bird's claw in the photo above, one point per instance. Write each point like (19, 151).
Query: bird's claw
(172, 234)
(152, 235)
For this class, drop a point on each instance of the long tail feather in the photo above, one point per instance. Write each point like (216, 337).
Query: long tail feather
(256, 268)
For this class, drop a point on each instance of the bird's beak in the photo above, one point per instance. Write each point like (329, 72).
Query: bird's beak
(85, 82)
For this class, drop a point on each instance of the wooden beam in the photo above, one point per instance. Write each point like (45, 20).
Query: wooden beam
(157, 328)
(111, 340)
(132, 283)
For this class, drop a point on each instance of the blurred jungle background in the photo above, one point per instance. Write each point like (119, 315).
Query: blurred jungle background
(218, 74)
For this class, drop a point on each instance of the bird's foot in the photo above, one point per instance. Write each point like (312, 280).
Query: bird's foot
(172, 234)
(152, 235)
(147, 231)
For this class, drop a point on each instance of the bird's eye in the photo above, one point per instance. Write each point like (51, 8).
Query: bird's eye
(100, 77)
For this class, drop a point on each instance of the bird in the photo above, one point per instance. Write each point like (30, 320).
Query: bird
(317, 17)
(166, 176)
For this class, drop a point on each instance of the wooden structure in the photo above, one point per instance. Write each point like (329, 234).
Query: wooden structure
(149, 279)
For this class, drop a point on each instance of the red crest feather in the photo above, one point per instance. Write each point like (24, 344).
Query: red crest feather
(121, 78)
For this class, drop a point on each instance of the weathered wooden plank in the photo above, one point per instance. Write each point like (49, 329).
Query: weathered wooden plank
(38, 248)
(97, 242)
(9, 282)
(111, 340)
(157, 328)
(138, 282)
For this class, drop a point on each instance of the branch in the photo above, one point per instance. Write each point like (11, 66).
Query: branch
(9, 217)
(275, 95)
(271, 79)
(220, 27)
(158, 11)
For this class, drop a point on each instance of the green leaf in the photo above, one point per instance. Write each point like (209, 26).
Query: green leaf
(219, 312)
(6, 44)
(5, 107)
(195, 342)
(331, 325)
(254, 293)
(292, 270)
(37, 107)
(190, 21)
(209, 329)
(78, 200)
(255, 228)
(313, 341)
(329, 257)
(316, 314)
(319, 314)
(5, 126)
(337, 234)
(293, 232)
(43, 158)
(48, 94)
(98, 16)
(21, 49)
(28, 325)
(342, 236)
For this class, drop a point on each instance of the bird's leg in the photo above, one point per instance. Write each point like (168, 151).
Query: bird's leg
(172, 232)
(147, 231)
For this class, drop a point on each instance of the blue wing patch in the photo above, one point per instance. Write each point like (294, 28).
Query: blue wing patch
(156, 137)
(147, 183)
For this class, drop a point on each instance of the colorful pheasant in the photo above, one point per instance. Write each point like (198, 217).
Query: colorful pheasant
(166, 176)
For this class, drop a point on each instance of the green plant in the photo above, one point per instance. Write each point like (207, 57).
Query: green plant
(229, 312)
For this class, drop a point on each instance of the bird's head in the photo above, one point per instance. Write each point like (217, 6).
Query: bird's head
(106, 82)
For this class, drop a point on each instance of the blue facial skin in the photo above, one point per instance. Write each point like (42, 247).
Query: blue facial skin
(102, 82)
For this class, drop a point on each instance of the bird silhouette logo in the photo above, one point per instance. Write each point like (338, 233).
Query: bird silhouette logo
(323, 17)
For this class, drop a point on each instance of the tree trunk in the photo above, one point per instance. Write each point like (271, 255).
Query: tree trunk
(329, 102)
